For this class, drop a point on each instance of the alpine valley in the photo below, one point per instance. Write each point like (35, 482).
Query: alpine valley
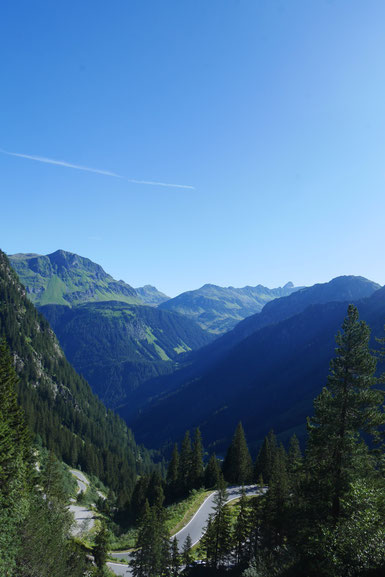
(151, 361)
(114, 335)
(167, 367)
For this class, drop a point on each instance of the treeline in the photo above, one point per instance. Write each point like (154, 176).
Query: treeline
(62, 413)
(187, 469)
(322, 514)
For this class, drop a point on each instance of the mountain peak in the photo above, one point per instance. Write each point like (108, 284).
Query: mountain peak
(66, 278)
(150, 295)
(218, 309)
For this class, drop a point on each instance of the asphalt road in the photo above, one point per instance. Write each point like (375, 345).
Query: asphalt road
(194, 528)
(81, 480)
(120, 569)
(84, 519)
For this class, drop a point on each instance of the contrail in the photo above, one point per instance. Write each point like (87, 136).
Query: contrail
(66, 164)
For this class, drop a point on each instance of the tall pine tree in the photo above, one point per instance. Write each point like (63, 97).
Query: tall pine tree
(238, 466)
(348, 407)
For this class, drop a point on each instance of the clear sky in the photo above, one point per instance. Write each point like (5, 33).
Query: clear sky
(270, 114)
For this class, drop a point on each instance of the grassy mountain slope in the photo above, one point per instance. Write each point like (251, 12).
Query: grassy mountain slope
(218, 309)
(110, 336)
(267, 380)
(68, 279)
(61, 410)
(151, 296)
(117, 346)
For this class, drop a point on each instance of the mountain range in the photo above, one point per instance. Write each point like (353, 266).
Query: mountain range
(218, 309)
(164, 373)
(109, 335)
(267, 379)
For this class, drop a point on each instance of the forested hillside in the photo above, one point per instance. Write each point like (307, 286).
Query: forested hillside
(268, 379)
(34, 519)
(117, 346)
(318, 513)
(107, 332)
(61, 411)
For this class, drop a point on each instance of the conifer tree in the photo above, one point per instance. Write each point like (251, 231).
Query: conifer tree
(187, 557)
(277, 499)
(265, 458)
(185, 464)
(139, 496)
(212, 473)
(294, 457)
(196, 474)
(238, 466)
(294, 467)
(172, 474)
(52, 480)
(155, 494)
(175, 558)
(346, 408)
(101, 547)
(151, 557)
(217, 541)
(242, 530)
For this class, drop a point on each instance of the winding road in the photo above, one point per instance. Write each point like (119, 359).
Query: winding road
(84, 517)
(194, 528)
(81, 480)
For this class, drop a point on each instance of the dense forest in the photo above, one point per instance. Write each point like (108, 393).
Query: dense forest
(34, 520)
(61, 411)
(319, 511)
(323, 513)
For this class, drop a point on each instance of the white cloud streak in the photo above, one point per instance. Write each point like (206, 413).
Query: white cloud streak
(66, 164)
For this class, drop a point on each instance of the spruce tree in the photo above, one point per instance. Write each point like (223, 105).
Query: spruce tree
(212, 473)
(155, 494)
(187, 557)
(265, 458)
(52, 480)
(242, 530)
(196, 473)
(217, 541)
(346, 409)
(172, 475)
(238, 466)
(295, 467)
(101, 547)
(175, 558)
(139, 496)
(151, 557)
(277, 499)
(185, 464)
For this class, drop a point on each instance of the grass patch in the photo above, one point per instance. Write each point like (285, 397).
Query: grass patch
(161, 353)
(179, 514)
(125, 541)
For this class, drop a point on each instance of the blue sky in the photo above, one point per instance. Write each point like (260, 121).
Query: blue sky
(273, 111)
